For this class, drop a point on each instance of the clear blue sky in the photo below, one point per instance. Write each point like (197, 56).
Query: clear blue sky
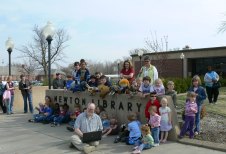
(107, 29)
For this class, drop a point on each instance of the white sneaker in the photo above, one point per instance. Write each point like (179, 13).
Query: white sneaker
(156, 144)
(135, 148)
(88, 149)
(136, 151)
(196, 133)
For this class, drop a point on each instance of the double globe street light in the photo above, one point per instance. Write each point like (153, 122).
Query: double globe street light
(9, 47)
(48, 32)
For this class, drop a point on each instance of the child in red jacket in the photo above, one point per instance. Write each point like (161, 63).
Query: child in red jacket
(152, 102)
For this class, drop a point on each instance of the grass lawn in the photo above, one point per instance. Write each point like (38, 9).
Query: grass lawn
(219, 108)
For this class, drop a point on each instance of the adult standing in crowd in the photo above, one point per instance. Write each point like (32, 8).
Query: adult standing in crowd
(127, 71)
(200, 97)
(25, 87)
(210, 78)
(87, 121)
(58, 82)
(11, 88)
(2, 89)
(148, 70)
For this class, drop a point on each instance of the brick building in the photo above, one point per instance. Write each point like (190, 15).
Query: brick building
(195, 61)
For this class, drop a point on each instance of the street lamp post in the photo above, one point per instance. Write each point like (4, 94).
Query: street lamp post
(140, 54)
(118, 62)
(48, 32)
(9, 47)
(182, 61)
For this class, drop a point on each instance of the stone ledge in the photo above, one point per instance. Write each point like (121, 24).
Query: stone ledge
(204, 144)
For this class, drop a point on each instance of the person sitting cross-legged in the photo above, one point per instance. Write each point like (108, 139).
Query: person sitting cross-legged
(86, 122)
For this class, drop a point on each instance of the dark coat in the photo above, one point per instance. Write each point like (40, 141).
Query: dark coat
(23, 88)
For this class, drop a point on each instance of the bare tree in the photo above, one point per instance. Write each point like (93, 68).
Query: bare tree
(156, 46)
(135, 51)
(28, 67)
(38, 49)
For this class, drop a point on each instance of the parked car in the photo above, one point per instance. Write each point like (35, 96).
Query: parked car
(37, 83)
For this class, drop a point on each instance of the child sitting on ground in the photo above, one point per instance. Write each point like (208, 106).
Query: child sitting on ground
(124, 132)
(73, 117)
(113, 129)
(56, 112)
(146, 88)
(105, 122)
(190, 110)
(133, 128)
(159, 87)
(165, 123)
(152, 102)
(146, 142)
(59, 119)
(40, 108)
(154, 122)
(47, 112)
(171, 92)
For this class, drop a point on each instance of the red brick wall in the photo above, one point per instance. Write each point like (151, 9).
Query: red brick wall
(166, 68)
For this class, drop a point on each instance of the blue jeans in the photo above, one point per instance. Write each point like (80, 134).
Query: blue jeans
(59, 119)
(142, 145)
(39, 117)
(72, 123)
(155, 134)
(11, 103)
(197, 119)
(7, 104)
(28, 96)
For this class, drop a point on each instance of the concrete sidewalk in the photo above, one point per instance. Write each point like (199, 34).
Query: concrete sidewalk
(17, 136)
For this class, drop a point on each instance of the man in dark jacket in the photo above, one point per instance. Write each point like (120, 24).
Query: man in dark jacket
(58, 82)
(25, 87)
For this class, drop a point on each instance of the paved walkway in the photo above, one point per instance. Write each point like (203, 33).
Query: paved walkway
(17, 136)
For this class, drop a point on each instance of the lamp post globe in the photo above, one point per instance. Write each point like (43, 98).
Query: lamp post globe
(140, 54)
(48, 32)
(182, 62)
(9, 47)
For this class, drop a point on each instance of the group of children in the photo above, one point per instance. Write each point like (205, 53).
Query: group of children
(146, 136)
(55, 114)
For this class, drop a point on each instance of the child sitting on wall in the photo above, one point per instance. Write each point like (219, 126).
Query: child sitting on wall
(159, 87)
(146, 88)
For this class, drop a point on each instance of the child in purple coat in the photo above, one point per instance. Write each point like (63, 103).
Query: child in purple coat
(190, 111)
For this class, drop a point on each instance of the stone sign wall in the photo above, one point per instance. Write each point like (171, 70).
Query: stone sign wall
(117, 105)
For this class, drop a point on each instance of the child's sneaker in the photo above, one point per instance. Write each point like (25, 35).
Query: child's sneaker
(135, 148)
(117, 139)
(70, 129)
(31, 120)
(136, 151)
(156, 144)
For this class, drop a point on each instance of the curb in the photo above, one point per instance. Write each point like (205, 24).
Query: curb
(203, 144)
